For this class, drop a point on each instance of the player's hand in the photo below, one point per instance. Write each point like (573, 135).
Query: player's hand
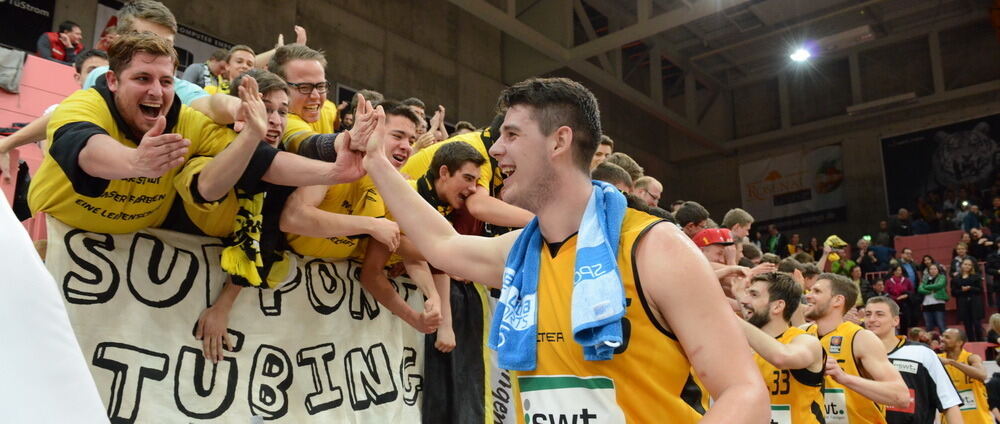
(799, 278)
(348, 166)
(252, 108)
(300, 35)
(945, 361)
(429, 323)
(853, 316)
(834, 370)
(365, 121)
(375, 146)
(158, 153)
(763, 268)
(386, 232)
(425, 139)
(212, 331)
(445, 339)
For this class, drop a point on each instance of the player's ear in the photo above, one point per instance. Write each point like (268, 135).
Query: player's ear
(776, 304)
(112, 80)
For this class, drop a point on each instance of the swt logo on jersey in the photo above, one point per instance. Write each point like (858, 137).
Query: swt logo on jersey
(584, 418)
(568, 399)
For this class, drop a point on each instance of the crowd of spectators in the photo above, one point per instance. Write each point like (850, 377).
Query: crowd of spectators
(970, 275)
(298, 152)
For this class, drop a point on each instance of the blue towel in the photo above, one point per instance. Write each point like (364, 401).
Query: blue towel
(598, 303)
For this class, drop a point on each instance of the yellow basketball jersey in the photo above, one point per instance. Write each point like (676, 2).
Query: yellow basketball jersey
(844, 405)
(796, 395)
(975, 409)
(644, 381)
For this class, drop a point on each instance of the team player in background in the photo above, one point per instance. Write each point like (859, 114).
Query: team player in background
(790, 360)
(860, 379)
(967, 374)
(930, 386)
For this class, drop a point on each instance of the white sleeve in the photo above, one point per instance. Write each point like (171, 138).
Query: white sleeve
(946, 392)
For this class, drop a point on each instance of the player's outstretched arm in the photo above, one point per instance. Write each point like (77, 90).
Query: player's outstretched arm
(804, 352)
(478, 259)
(302, 215)
(686, 295)
(495, 211)
(886, 386)
(974, 369)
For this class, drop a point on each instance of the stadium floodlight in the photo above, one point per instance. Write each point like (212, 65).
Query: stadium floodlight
(800, 55)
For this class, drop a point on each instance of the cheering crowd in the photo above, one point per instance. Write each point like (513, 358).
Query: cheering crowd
(668, 306)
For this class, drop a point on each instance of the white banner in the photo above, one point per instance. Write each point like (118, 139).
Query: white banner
(799, 184)
(502, 384)
(318, 348)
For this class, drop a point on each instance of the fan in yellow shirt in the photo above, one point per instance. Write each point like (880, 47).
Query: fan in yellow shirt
(484, 204)
(256, 253)
(116, 147)
(330, 223)
(312, 119)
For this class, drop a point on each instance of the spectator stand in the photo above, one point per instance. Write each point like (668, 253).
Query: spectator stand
(43, 84)
(940, 246)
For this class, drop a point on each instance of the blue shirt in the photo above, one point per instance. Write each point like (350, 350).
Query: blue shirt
(910, 272)
(185, 90)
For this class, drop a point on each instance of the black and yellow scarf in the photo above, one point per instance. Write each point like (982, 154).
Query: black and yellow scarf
(242, 256)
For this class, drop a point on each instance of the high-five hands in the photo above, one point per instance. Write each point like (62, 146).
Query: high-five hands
(364, 123)
(252, 109)
(375, 146)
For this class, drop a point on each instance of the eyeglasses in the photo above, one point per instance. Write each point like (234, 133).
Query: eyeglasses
(307, 87)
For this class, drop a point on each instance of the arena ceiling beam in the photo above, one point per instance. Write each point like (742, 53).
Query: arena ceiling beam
(576, 60)
(651, 26)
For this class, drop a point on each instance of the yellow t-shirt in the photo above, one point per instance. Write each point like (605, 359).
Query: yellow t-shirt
(214, 89)
(796, 395)
(642, 383)
(297, 129)
(62, 189)
(975, 409)
(844, 405)
(357, 198)
(418, 164)
(217, 218)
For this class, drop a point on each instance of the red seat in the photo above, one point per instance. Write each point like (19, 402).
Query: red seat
(979, 348)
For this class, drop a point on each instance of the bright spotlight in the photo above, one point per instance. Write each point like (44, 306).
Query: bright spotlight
(800, 55)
